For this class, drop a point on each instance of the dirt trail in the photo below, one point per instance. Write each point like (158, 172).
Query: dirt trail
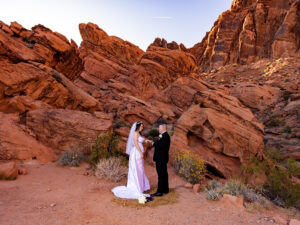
(51, 195)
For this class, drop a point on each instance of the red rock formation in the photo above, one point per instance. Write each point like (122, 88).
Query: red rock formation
(8, 171)
(40, 45)
(46, 83)
(249, 31)
(64, 129)
(16, 143)
(216, 126)
(39, 82)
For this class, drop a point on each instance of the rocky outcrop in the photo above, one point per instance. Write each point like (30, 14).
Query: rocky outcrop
(40, 45)
(40, 83)
(249, 31)
(16, 143)
(64, 129)
(255, 96)
(221, 130)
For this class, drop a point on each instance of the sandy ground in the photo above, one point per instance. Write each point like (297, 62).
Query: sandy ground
(50, 194)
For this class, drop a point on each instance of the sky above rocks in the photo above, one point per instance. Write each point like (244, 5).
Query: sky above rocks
(138, 21)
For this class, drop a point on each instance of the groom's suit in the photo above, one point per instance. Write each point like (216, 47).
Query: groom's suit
(161, 158)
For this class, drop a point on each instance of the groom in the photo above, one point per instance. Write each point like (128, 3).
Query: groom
(161, 158)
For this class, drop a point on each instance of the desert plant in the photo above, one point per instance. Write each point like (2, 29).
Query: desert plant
(189, 166)
(153, 133)
(234, 187)
(213, 184)
(105, 146)
(111, 169)
(121, 123)
(286, 95)
(293, 167)
(275, 122)
(278, 186)
(212, 195)
(71, 158)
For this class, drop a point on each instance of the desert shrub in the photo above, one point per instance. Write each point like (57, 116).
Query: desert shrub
(286, 129)
(234, 187)
(153, 133)
(251, 196)
(71, 158)
(111, 169)
(278, 186)
(286, 95)
(105, 146)
(275, 122)
(212, 195)
(215, 190)
(274, 155)
(213, 184)
(121, 123)
(293, 167)
(189, 166)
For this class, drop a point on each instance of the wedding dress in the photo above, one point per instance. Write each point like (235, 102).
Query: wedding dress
(137, 181)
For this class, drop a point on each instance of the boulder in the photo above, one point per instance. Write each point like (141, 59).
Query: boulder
(221, 130)
(256, 96)
(16, 143)
(65, 129)
(8, 171)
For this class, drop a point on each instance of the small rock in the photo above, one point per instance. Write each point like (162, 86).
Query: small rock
(53, 204)
(279, 220)
(294, 222)
(233, 200)
(22, 171)
(188, 185)
(49, 189)
(196, 188)
(8, 171)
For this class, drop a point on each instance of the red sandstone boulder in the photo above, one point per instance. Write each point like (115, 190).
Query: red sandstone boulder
(39, 82)
(8, 171)
(255, 96)
(221, 130)
(64, 129)
(17, 143)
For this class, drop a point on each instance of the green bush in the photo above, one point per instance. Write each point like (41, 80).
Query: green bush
(275, 122)
(71, 158)
(105, 146)
(153, 133)
(278, 171)
(189, 166)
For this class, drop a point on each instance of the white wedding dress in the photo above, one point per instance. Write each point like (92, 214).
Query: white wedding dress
(137, 181)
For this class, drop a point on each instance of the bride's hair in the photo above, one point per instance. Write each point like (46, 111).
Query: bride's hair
(138, 125)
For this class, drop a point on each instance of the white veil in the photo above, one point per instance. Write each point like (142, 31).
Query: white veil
(130, 143)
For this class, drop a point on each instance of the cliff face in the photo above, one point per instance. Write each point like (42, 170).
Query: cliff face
(249, 31)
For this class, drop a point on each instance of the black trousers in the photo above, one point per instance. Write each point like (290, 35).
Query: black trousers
(163, 180)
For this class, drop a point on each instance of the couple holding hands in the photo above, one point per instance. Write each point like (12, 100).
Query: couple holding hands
(137, 181)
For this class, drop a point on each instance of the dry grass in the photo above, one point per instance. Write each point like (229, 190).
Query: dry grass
(111, 169)
(168, 199)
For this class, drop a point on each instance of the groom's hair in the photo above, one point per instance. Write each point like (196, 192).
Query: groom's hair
(138, 125)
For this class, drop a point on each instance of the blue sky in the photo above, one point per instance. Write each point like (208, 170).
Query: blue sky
(138, 21)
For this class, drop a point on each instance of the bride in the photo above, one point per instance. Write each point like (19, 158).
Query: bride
(137, 181)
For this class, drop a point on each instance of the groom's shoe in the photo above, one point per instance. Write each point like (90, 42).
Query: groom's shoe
(157, 194)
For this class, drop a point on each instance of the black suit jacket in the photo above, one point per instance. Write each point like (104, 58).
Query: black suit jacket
(162, 146)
